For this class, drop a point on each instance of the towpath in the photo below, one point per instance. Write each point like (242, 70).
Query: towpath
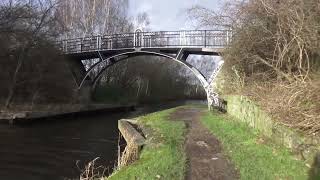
(206, 160)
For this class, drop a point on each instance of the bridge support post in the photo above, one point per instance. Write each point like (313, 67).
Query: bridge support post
(77, 70)
(213, 97)
(78, 73)
(85, 93)
(210, 102)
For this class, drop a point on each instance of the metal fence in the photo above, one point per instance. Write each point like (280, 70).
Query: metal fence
(160, 39)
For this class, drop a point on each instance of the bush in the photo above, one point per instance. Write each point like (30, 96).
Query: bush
(274, 56)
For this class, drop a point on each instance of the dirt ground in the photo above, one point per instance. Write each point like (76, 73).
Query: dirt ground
(204, 152)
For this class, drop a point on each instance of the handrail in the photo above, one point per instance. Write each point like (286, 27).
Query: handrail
(186, 38)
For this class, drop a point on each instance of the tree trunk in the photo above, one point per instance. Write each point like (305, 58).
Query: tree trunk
(13, 85)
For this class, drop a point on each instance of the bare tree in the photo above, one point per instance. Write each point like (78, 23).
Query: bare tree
(274, 55)
(25, 28)
(97, 17)
(278, 35)
(142, 21)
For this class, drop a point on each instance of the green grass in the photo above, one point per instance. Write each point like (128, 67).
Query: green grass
(164, 157)
(253, 158)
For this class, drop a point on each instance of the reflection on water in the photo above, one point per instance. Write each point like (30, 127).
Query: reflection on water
(52, 149)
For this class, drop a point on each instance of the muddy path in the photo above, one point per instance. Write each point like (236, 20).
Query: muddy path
(206, 160)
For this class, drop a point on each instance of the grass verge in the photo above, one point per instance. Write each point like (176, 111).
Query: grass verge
(164, 156)
(252, 155)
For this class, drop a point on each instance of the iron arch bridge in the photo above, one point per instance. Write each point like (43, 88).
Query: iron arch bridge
(173, 45)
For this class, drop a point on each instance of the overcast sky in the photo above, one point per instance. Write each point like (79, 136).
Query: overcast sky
(169, 14)
(166, 15)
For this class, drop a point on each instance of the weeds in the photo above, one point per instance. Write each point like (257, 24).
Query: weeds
(128, 156)
(91, 172)
(294, 105)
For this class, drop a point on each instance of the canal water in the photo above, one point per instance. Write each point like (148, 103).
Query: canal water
(59, 149)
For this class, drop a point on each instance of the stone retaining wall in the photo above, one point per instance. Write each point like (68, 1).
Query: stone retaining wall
(245, 110)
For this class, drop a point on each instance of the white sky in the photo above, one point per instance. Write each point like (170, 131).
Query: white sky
(169, 14)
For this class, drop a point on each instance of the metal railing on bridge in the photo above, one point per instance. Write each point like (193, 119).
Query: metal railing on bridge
(160, 39)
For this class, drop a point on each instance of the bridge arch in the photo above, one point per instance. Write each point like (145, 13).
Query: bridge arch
(118, 47)
(131, 54)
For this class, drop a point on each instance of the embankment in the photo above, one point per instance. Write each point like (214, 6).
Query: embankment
(162, 157)
(244, 110)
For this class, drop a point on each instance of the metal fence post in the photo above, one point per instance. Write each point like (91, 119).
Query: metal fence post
(227, 37)
(65, 46)
(81, 44)
(98, 42)
(205, 38)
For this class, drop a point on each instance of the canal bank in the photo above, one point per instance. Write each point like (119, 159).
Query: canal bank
(177, 146)
(189, 143)
(60, 148)
(68, 112)
(162, 157)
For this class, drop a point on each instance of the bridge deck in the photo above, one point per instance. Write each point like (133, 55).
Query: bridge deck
(202, 42)
(87, 55)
